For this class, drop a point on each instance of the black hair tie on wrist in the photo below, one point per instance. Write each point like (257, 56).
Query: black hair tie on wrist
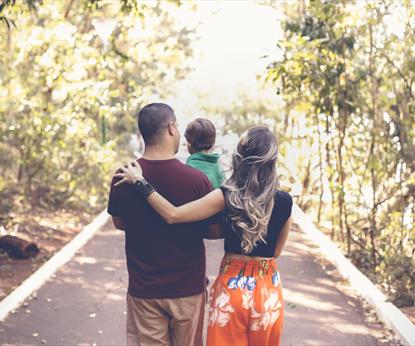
(144, 188)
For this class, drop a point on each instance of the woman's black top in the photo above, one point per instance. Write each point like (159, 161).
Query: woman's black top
(280, 214)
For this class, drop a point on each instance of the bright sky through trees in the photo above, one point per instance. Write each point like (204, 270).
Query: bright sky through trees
(232, 38)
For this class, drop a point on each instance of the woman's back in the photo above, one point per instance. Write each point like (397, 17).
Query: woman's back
(246, 298)
(280, 214)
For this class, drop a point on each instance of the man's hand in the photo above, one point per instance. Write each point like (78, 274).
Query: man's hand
(131, 173)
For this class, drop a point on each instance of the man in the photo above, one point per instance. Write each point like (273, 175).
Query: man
(166, 263)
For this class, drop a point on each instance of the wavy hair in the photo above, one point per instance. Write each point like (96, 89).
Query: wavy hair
(250, 190)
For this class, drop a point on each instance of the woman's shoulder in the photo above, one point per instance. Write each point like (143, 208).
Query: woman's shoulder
(283, 198)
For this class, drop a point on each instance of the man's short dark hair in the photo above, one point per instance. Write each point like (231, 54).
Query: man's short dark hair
(201, 134)
(153, 119)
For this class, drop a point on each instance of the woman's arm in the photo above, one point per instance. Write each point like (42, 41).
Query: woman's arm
(197, 210)
(283, 238)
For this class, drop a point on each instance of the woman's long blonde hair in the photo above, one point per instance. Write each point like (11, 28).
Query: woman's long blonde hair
(250, 191)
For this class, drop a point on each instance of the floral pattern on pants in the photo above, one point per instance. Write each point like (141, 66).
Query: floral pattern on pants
(246, 306)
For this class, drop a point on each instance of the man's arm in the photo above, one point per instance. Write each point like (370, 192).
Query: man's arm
(118, 223)
(118, 198)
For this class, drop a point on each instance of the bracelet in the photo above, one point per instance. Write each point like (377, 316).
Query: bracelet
(144, 188)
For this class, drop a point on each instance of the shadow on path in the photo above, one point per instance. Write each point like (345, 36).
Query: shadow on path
(84, 304)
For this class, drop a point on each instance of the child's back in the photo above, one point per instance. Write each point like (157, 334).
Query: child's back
(200, 135)
(209, 165)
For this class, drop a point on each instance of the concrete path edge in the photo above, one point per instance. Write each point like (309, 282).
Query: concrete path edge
(41, 275)
(386, 311)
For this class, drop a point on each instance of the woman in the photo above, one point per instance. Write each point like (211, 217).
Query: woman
(246, 305)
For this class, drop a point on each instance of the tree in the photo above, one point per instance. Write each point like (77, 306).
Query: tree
(70, 88)
(351, 77)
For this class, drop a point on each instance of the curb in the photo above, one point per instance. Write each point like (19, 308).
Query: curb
(388, 313)
(41, 275)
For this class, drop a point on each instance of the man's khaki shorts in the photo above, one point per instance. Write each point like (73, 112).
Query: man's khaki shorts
(173, 321)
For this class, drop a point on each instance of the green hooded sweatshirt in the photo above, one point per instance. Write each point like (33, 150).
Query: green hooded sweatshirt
(209, 165)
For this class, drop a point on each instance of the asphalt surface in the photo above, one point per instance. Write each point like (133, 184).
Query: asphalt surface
(84, 303)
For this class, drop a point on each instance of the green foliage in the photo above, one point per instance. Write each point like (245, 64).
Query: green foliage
(69, 91)
(350, 76)
(13, 6)
(17, 6)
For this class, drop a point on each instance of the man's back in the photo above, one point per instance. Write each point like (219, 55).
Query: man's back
(164, 261)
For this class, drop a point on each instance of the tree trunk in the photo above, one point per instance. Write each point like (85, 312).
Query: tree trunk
(17, 247)
(373, 112)
(320, 165)
(330, 177)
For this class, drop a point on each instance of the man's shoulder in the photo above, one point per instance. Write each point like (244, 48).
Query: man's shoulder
(191, 172)
(195, 178)
(177, 167)
(194, 172)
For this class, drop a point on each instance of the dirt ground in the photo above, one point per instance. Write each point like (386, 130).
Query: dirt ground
(410, 312)
(49, 230)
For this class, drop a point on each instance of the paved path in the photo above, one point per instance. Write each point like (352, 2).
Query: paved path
(84, 304)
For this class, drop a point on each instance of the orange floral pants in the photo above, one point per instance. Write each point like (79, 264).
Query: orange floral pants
(246, 306)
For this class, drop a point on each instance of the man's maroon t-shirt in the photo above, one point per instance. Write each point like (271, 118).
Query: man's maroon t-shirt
(164, 261)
